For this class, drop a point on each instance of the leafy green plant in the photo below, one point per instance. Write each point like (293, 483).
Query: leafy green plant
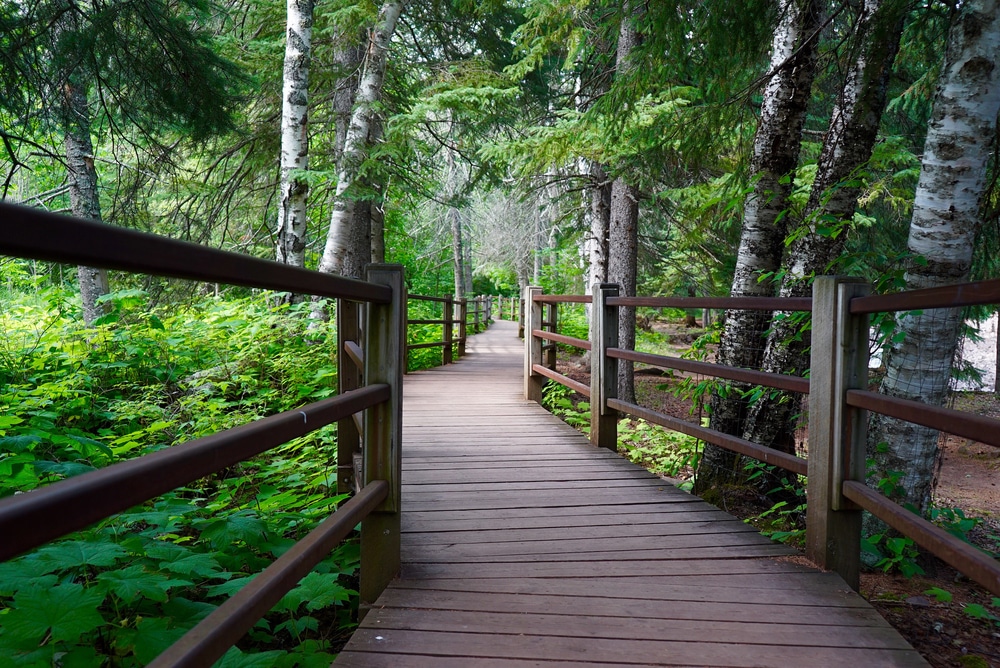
(894, 553)
(662, 451)
(72, 401)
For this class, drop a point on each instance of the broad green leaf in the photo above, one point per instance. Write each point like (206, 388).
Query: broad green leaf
(65, 469)
(316, 590)
(19, 443)
(194, 563)
(134, 581)
(67, 611)
(243, 526)
(227, 589)
(151, 636)
(78, 553)
(234, 658)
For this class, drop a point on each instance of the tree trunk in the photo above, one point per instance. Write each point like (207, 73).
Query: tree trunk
(292, 219)
(84, 199)
(467, 249)
(772, 166)
(847, 147)
(942, 230)
(623, 225)
(342, 253)
(457, 251)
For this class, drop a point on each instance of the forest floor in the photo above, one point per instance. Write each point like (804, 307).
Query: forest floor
(929, 610)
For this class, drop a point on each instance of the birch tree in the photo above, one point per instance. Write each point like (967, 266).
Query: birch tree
(772, 164)
(942, 231)
(294, 190)
(847, 147)
(340, 255)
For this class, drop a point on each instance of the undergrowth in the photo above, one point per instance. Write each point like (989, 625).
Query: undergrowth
(74, 400)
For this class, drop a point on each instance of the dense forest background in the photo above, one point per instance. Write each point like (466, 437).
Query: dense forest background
(684, 149)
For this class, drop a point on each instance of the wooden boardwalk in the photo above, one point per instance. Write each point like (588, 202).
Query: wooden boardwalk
(523, 545)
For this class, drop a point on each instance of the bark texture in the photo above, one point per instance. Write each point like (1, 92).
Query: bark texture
(847, 147)
(292, 220)
(942, 230)
(623, 225)
(772, 165)
(84, 198)
(343, 254)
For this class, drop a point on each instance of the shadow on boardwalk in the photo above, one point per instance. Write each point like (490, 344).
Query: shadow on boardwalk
(523, 545)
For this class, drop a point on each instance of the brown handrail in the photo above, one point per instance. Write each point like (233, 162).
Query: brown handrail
(224, 626)
(561, 338)
(948, 296)
(562, 299)
(776, 380)
(44, 514)
(731, 303)
(566, 381)
(734, 443)
(968, 560)
(56, 238)
(977, 427)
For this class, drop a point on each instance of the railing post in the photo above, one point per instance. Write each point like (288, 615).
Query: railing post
(349, 377)
(448, 315)
(477, 313)
(839, 361)
(552, 326)
(385, 331)
(463, 316)
(533, 381)
(603, 369)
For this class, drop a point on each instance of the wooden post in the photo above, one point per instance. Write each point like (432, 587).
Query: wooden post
(839, 362)
(380, 532)
(533, 381)
(448, 315)
(463, 316)
(552, 326)
(349, 378)
(603, 369)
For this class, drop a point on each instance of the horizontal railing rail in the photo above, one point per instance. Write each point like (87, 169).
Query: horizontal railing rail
(838, 402)
(454, 312)
(370, 380)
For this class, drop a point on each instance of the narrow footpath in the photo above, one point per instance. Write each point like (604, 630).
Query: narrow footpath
(524, 545)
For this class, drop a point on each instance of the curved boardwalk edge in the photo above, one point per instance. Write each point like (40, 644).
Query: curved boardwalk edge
(523, 545)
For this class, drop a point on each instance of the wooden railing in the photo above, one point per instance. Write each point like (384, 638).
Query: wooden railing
(370, 387)
(453, 312)
(508, 308)
(838, 404)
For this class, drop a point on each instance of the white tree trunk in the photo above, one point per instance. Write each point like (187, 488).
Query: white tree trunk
(339, 255)
(847, 147)
(772, 165)
(84, 198)
(292, 220)
(942, 231)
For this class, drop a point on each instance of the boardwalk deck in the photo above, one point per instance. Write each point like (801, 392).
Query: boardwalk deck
(523, 545)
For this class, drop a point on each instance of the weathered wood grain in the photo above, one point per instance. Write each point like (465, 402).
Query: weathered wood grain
(524, 545)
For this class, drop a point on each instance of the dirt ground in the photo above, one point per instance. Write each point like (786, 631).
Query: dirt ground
(968, 479)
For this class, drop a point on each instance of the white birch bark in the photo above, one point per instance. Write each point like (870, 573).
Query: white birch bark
(294, 191)
(83, 195)
(942, 231)
(847, 147)
(772, 165)
(339, 255)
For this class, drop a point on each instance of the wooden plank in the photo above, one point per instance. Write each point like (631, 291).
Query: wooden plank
(524, 545)
(805, 635)
(632, 652)
(397, 597)
(425, 537)
(640, 591)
